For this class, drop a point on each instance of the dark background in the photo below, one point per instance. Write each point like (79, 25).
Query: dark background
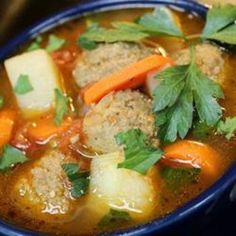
(16, 15)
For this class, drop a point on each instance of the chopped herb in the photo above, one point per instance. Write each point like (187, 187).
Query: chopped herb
(55, 43)
(10, 157)
(176, 178)
(62, 106)
(220, 24)
(162, 22)
(227, 127)
(23, 85)
(201, 130)
(79, 180)
(35, 45)
(121, 31)
(139, 156)
(178, 96)
(87, 44)
(114, 216)
(1, 101)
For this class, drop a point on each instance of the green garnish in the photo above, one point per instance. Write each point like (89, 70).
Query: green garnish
(23, 85)
(79, 180)
(182, 90)
(10, 157)
(62, 106)
(55, 43)
(176, 178)
(85, 43)
(227, 127)
(139, 156)
(114, 216)
(1, 101)
(36, 44)
(162, 22)
(121, 31)
(220, 24)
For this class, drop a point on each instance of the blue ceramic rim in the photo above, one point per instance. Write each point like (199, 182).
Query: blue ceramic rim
(81, 9)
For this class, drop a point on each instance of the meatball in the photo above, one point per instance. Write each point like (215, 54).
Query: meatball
(43, 189)
(208, 58)
(106, 59)
(117, 112)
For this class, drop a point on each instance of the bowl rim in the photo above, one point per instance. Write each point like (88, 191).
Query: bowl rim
(76, 11)
(89, 7)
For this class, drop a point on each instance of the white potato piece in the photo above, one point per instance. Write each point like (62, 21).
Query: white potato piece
(152, 82)
(43, 76)
(119, 188)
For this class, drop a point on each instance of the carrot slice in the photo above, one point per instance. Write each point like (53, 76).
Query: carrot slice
(7, 118)
(131, 76)
(188, 154)
(44, 129)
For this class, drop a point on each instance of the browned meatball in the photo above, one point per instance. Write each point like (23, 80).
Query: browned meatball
(117, 112)
(43, 189)
(208, 58)
(106, 59)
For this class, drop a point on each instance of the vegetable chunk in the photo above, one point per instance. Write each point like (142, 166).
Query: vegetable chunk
(188, 153)
(42, 77)
(121, 188)
(106, 59)
(7, 118)
(131, 76)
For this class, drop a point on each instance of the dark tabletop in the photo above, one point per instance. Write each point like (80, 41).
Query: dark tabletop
(16, 15)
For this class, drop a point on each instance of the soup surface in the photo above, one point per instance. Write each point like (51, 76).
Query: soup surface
(68, 133)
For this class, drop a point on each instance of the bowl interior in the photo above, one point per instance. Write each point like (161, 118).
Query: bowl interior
(203, 200)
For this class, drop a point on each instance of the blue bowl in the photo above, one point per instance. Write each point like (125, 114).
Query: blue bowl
(195, 212)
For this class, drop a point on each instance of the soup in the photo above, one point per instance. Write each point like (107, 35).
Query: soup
(92, 141)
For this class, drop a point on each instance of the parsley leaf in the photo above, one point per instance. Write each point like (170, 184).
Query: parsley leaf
(79, 180)
(121, 31)
(23, 85)
(36, 44)
(10, 157)
(62, 106)
(172, 83)
(227, 127)
(176, 120)
(85, 43)
(228, 35)
(182, 90)
(1, 101)
(55, 43)
(114, 216)
(139, 156)
(161, 21)
(204, 92)
(220, 24)
(176, 178)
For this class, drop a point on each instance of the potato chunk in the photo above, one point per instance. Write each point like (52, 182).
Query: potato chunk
(120, 189)
(43, 76)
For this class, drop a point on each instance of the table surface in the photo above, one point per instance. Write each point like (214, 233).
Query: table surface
(15, 15)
